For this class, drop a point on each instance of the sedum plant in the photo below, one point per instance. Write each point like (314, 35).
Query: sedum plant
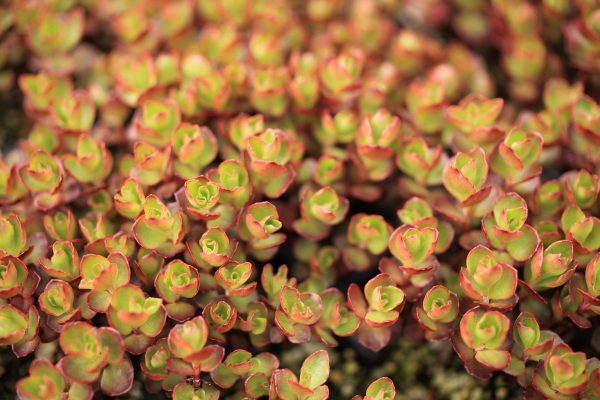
(276, 199)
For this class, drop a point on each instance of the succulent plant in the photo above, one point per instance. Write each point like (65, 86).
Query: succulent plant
(287, 199)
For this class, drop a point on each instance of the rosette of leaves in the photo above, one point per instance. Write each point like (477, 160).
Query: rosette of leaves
(548, 231)
(256, 322)
(338, 128)
(74, 113)
(138, 319)
(380, 305)
(414, 248)
(273, 281)
(582, 230)
(581, 188)
(46, 381)
(575, 302)
(120, 243)
(530, 343)
(61, 225)
(410, 51)
(582, 40)
(190, 355)
(95, 355)
(150, 165)
(585, 116)
(194, 148)
(464, 177)
(256, 372)
(322, 264)
(175, 283)
(258, 225)
(156, 122)
(102, 276)
(133, 75)
(270, 165)
(42, 89)
(234, 182)
(19, 328)
(211, 89)
(56, 32)
(129, 200)
(426, 100)
(370, 232)
(412, 282)
(336, 319)
(12, 187)
(13, 276)
(378, 308)
(329, 169)
(524, 63)
(547, 199)
(146, 266)
(213, 249)
(64, 263)
(95, 227)
(101, 202)
(320, 209)
(242, 127)
(340, 76)
(159, 227)
(550, 267)
(488, 281)
(304, 82)
(92, 162)
(420, 161)
(505, 227)
(268, 94)
(13, 237)
(375, 143)
(297, 312)
(419, 213)
(438, 313)
(155, 362)
(43, 175)
(314, 372)
(515, 159)
(233, 277)
(265, 48)
(131, 25)
(474, 118)
(58, 302)
(220, 316)
(380, 389)
(562, 375)
(481, 341)
(199, 198)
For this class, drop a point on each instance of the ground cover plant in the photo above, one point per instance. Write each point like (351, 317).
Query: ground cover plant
(300, 200)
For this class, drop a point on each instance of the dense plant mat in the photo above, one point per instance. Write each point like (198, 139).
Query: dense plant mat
(300, 200)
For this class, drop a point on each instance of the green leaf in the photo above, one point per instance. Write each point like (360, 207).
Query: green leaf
(282, 379)
(256, 385)
(315, 369)
(13, 324)
(495, 359)
(151, 305)
(382, 389)
(45, 381)
(117, 379)
(523, 246)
